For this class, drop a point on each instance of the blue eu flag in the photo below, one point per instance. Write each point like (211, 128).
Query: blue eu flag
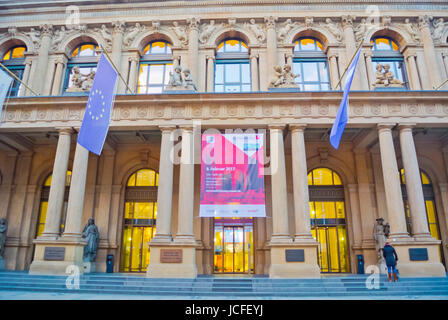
(96, 120)
(342, 116)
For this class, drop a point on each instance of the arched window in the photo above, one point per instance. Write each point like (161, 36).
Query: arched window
(328, 224)
(431, 214)
(14, 60)
(44, 203)
(139, 220)
(386, 53)
(155, 67)
(310, 63)
(84, 59)
(232, 67)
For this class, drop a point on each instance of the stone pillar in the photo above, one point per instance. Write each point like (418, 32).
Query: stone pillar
(42, 59)
(117, 43)
(369, 66)
(334, 73)
(57, 188)
(58, 77)
(165, 188)
(350, 48)
(443, 186)
(26, 74)
(210, 73)
(392, 186)
(355, 215)
(7, 183)
(445, 60)
(413, 73)
(254, 72)
(300, 185)
(134, 73)
(429, 51)
(413, 183)
(271, 44)
(193, 47)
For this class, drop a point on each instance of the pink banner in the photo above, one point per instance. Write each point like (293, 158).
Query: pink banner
(232, 180)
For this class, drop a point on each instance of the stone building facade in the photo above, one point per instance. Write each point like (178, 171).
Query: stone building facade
(392, 162)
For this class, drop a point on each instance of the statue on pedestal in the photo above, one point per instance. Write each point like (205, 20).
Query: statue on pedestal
(80, 82)
(284, 78)
(92, 236)
(386, 78)
(180, 80)
(3, 230)
(381, 232)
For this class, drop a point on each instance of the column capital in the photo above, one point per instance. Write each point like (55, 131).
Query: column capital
(385, 125)
(210, 57)
(254, 56)
(65, 130)
(270, 22)
(186, 127)
(297, 127)
(167, 128)
(276, 126)
(347, 21)
(406, 126)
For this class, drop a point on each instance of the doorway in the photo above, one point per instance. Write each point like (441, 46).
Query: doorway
(233, 246)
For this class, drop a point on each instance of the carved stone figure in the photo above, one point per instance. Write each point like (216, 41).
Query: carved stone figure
(361, 29)
(3, 230)
(287, 26)
(88, 82)
(180, 32)
(58, 37)
(105, 33)
(130, 36)
(257, 30)
(188, 79)
(176, 77)
(309, 22)
(283, 78)
(386, 78)
(380, 235)
(92, 236)
(80, 82)
(439, 29)
(35, 37)
(181, 80)
(207, 31)
(331, 26)
(411, 29)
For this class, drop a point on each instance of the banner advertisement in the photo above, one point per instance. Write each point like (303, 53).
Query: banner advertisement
(232, 179)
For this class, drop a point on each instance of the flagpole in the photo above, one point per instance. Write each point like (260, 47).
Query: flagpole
(441, 85)
(348, 65)
(116, 69)
(15, 77)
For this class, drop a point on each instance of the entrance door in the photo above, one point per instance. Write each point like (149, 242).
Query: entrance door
(331, 250)
(233, 246)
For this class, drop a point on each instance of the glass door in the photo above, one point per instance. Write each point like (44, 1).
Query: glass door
(233, 249)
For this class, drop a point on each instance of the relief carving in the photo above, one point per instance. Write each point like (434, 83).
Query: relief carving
(285, 28)
(386, 78)
(334, 29)
(284, 78)
(80, 82)
(256, 30)
(180, 32)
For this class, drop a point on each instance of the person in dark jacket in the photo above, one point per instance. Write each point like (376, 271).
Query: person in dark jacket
(391, 257)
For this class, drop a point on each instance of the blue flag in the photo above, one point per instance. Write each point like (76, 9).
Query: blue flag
(342, 116)
(5, 83)
(96, 120)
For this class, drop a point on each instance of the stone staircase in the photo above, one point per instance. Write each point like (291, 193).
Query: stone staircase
(328, 287)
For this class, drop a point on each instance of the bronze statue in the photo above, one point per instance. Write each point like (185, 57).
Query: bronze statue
(92, 236)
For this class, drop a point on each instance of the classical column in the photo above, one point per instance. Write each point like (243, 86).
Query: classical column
(57, 188)
(42, 59)
(413, 183)
(58, 77)
(300, 184)
(193, 47)
(26, 74)
(165, 188)
(117, 43)
(76, 195)
(355, 214)
(392, 186)
(289, 58)
(271, 44)
(429, 51)
(280, 232)
(334, 73)
(133, 73)
(370, 75)
(186, 188)
(254, 72)
(445, 60)
(210, 73)
(412, 67)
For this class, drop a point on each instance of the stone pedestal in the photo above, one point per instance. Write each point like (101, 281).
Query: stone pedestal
(290, 89)
(57, 265)
(429, 268)
(382, 266)
(281, 268)
(89, 267)
(163, 267)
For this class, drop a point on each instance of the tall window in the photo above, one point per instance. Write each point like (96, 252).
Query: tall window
(84, 57)
(44, 203)
(232, 68)
(139, 220)
(387, 53)
(328, 225)
(155, 67)
(14, 60)
(431, 214)
(310, 63)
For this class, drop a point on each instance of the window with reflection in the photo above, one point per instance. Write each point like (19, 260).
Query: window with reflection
(83, 58)
(44, 203)
(310, 63)
(431, 213)
(386, 53)
(328, 224)
(140, 217)
(14, 60)
(232, 67)
(155, 67)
